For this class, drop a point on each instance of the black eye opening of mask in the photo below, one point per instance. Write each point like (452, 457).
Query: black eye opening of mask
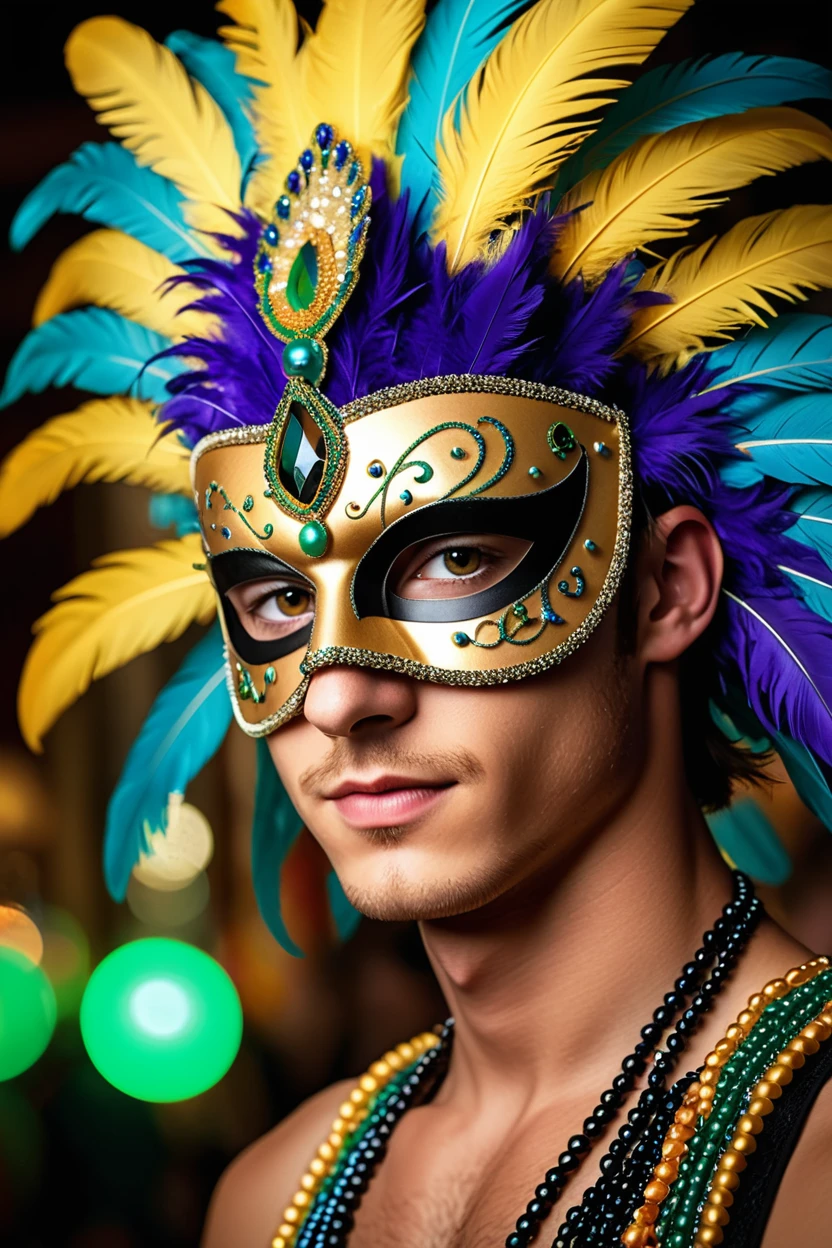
(548, 519)
(236, 567)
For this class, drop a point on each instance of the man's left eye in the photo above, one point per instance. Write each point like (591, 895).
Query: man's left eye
(455, 567)
(456, 561)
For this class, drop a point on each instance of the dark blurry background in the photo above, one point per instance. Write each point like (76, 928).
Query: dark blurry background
(80, 1163)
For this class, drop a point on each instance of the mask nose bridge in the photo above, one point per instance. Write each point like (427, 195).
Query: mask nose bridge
(337, 627)
(335, 620)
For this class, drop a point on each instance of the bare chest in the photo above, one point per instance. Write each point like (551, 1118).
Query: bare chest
(453, 1188)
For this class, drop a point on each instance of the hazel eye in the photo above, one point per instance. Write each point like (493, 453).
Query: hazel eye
(454, 568)
(270, 609)
(293, 600)
(462, 560)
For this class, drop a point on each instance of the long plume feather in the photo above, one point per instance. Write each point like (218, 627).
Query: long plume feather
(458, 36)
(186, 726)
(265, 38)
(141, 92)
(128, 604)
(115, 271)
(92, 349)
(674, 95)
(529, 105)
(103, 183)
(102, 440)
(355, 67)
(653, 190)
(213, 65)
(795, 353)
(718, 288)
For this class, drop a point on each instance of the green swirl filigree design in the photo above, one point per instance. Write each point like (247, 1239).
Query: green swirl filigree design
(215, 488)
(246, 687)
(424, 471)
(521, 619)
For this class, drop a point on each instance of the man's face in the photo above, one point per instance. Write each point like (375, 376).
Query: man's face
(432, 801)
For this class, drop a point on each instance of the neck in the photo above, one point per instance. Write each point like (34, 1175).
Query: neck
(562, 972)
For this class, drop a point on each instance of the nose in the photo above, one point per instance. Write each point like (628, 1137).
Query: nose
(356, 701)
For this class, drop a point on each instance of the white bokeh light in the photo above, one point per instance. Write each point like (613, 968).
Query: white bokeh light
(160, 1007)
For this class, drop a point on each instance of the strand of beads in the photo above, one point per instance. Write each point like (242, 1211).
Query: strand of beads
(351, 1114)
(331, 1219)
(603, 1213)
(715, 1213)
(780, 1021)
(698, 1100)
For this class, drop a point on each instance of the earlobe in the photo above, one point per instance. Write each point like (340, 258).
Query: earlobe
(683, 566)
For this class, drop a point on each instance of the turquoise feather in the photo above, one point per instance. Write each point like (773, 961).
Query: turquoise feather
(275, 829)
(92, 349)
(212, 64)
(746, 835)
(103, 183)
(814, 526)
(816, 593)
(186, 726)
(789, 439)
(794, 353)
(458, 36)
(807, 775)
(167, 511)
(673, 95)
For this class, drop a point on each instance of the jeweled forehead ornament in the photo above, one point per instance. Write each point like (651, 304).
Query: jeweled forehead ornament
(305, 269)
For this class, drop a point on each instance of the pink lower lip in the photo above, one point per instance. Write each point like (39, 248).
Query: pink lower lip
(387, 809)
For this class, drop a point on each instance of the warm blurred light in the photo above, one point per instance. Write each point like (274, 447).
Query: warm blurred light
(66, 958)
(18, 931)
(160, 908)
(179, 854)
(161, 1020)
(25, 813)
(27, 1013)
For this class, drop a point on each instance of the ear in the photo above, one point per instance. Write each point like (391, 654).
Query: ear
(680, 574)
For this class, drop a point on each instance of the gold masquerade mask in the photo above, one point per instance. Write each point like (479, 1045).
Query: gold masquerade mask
(475, 530)
(466, 530)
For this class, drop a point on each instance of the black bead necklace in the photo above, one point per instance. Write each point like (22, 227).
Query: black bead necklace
(607, 1206)
(625, 1169)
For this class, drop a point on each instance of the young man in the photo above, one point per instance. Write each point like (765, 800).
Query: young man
(510, 570)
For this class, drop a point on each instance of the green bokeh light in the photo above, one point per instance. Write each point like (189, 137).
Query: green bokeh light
(27, 1013)
(161, 1020)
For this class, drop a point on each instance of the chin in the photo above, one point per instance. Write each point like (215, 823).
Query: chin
(399, 895)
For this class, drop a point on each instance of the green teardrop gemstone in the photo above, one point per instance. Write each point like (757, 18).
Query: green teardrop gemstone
(313, 539)
(303, 279)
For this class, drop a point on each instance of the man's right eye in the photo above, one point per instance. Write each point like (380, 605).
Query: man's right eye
(272, 609)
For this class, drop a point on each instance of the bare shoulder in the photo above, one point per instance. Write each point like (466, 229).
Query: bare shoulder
(802, 1209)
(248, 1201)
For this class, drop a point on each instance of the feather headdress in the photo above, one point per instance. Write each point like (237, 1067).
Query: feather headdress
(518, 185)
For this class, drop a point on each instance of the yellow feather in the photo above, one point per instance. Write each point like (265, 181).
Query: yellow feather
(529, 106)
(720, 287)
(129, 603)
(116, 271)
(652, 190)
(102, 440)
(141, 92)
(265, 40)
(355, 68)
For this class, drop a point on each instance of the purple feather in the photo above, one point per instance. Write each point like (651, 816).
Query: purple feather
(783, 655)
